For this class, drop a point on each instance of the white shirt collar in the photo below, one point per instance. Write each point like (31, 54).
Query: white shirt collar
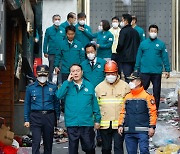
(79, 85)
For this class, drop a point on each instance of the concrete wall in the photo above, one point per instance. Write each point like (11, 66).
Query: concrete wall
(51, 7)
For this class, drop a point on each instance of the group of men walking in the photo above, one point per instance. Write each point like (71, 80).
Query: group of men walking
(91, 88)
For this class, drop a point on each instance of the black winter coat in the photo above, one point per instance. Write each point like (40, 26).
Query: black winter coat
(128, 44)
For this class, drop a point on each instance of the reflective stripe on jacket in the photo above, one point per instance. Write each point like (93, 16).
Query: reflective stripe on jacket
(110, 99)
(138, 112)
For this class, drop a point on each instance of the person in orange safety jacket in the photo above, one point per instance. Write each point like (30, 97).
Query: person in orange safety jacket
(137, 117)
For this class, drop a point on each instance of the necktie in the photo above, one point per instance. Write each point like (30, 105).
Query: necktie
(92, 64)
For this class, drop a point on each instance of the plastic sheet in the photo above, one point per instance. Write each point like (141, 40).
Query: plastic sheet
(165, 134)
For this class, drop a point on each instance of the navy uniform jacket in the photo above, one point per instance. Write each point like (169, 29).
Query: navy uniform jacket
(40, 98)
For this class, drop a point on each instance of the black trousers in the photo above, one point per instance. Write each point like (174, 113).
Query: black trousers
(51, 59)
(42, 125)
(107, 135)
(85, 135)
(116, 58)
(156, 82)
(127, 69)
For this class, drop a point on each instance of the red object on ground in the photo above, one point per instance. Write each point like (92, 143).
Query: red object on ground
(19, 140)
(37, 61)
(9, 150)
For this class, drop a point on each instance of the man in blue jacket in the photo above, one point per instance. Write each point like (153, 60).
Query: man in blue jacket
(83, 31)
(41, 109)
(82, 112)
(151, 57)
(52, 41)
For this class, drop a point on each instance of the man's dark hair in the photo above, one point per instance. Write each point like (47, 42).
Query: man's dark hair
(81, 15)
(105, 25)
(127, 17)
(56, 15)
(134, 18)
(153, 26)
(75, 65)
(71, 15)
(90, 45)
(70, 27)
(116, 18)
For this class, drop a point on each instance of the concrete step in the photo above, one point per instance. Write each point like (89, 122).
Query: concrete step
(171, 82)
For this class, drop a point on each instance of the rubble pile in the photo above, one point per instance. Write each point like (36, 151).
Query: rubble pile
(167, 136)
(60, 135)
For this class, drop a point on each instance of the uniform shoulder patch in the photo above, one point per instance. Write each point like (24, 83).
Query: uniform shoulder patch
(31, 84)
(51, 82)
(152, 101)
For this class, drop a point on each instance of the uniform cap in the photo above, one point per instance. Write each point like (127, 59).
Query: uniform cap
(42, 70)
(110, 66)
(134, 75)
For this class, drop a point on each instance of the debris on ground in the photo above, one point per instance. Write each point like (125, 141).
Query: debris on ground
(60, 135)
(169, 149)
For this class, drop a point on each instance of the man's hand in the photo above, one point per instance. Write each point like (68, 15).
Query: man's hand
(167, 75)
(70, 77)
(97, 45)
(81, 28)
(27, 124)
(57, 70)
(96, 125)
(120, 130)
(151, 132)
(46, 55)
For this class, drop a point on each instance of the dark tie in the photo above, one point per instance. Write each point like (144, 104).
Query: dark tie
(92, 64)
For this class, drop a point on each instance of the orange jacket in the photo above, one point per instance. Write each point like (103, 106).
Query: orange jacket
(138, 113)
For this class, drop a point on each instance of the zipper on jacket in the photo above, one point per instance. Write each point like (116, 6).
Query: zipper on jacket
(43, 97)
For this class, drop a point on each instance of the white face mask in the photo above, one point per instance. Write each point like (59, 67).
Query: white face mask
(42, 79)
(132, 85)
(81, 22)
(153, 35)
(91, 56)
(122, 24)
(100, 28)
(74, 23)
(115, 24)
(57, 22)
(111, 78)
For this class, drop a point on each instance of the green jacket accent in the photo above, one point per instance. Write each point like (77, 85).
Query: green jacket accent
(52, 39)
(140, 32)
(81, 106)
(85, 36)
(69, 54)
(152, 56)
(96, 74)
(64, 24)
(105, 40)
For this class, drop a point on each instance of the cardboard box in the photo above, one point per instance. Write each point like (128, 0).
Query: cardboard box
(6, 136)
